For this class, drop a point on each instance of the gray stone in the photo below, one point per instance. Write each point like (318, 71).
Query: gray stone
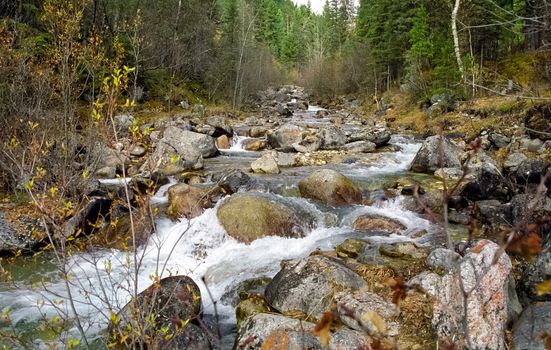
(427, 160)
(442, 259)
(285, 136)
(307, 285)
(531, 328)
(138, 151)
(360, 147)
(309, 143)
(254, 332)
(185, 141)
(332, 137)
(353, 307)
(380, 136)
(267, 164)
(512, 161)
(499, 140)
(535, 273)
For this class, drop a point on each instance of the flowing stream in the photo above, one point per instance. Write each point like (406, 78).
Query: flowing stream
(200, 248)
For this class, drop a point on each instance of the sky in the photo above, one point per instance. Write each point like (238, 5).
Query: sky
(317, 5)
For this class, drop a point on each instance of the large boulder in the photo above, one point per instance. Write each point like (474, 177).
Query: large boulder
(267, 164)
(187, 201)
(477, 297)
(332, 137)
(220, 125)
(172, 300)
(487, 182)
(533, 328)
(19, 233)
(188, 140)
(436, 152)
(285, 136)
(380, 136)
(306, 286)
(175, 154)
(330, 187)
(272, 331)
(250, 216)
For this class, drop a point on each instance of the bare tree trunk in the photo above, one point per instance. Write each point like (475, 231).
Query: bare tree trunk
(456, 39)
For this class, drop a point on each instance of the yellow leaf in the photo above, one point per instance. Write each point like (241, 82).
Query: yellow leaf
(543, 288)
(376, 320)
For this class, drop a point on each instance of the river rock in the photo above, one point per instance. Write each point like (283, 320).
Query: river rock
(490, 304)
(187, 201)
(534, 273)
(530, 170)
(427, 160)
(138, 151)
(332, 137)
(221, 126)
(267, 164)
(172, 300)
(272, 331)
(183, 139)
(512, 162)
(487, 183)
(380, 136)
(366, 308)
(285, 136)
(254, 144)
(360, 147)
(233, 180)
(330, 187)
(89, 216)
(499, 140)
(108, 159)
(258, 131)
(174, 154)
(309, 143)
(368, 222)
(533, 328)
(190, 337)
(307, 285)
(494, 213)
(529, 209)
(223, 142)
(123, 122)
(351, 248)
(250, 216)
(19, 235)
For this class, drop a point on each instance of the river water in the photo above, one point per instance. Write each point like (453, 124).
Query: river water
(102, 279)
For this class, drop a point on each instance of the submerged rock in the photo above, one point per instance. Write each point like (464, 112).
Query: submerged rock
(330, 187)
(250, 216)
(436, 152)
(306, 286)
(368, 222)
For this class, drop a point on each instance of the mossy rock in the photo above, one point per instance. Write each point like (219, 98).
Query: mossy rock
(251, 216)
